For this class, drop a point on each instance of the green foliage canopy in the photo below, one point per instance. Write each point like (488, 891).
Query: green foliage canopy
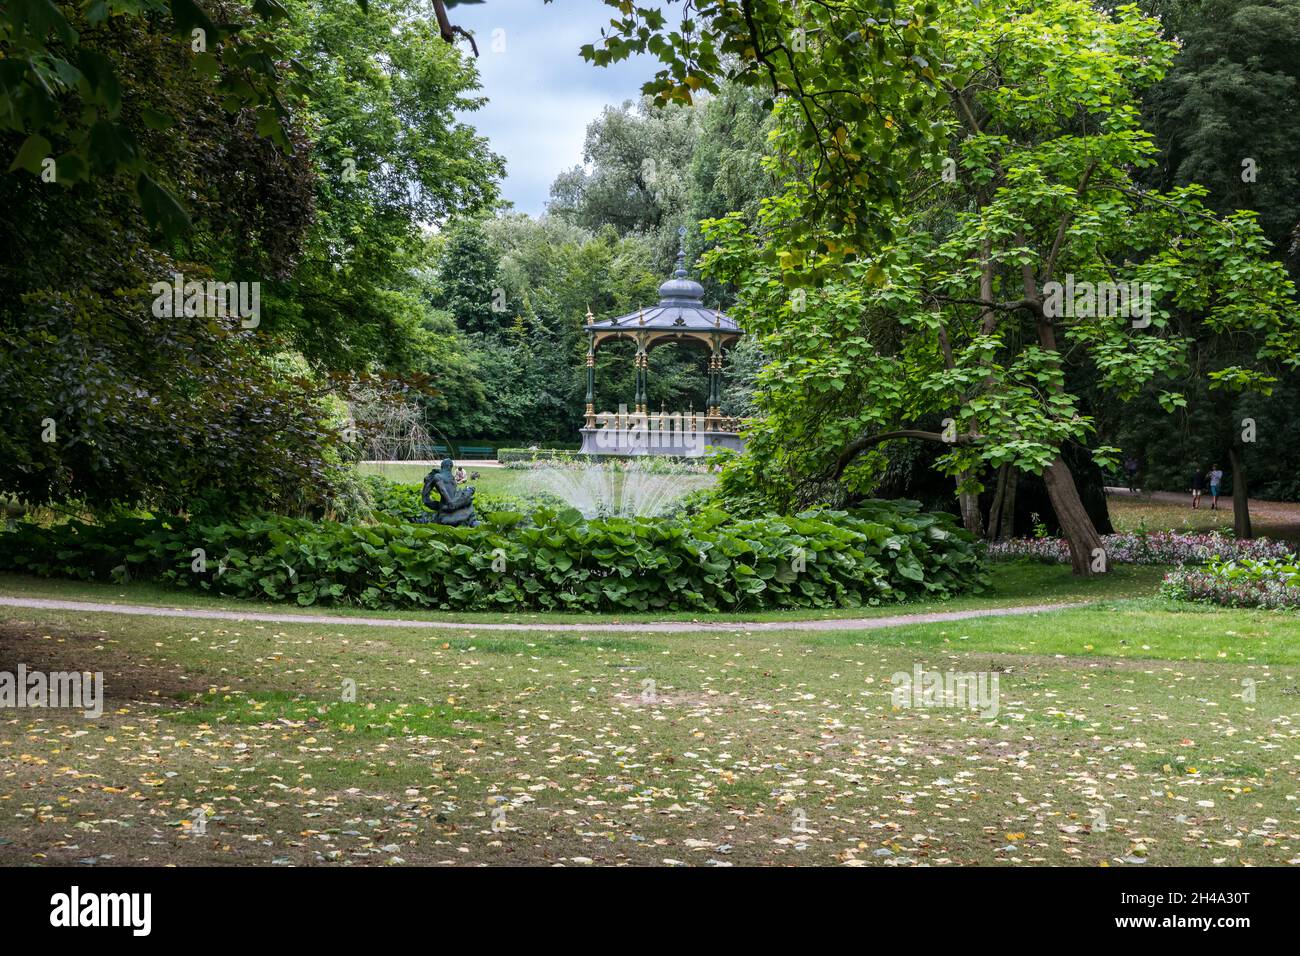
(948, 320)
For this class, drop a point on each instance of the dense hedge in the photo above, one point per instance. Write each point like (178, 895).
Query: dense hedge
(884, 551)
(498, 443)
(513, 456)
(506, 455)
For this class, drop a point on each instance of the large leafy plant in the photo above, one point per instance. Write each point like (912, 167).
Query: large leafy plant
(881, 552)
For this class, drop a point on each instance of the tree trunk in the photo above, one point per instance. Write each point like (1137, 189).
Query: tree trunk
(1007, 526)
(971, 519)
(1077, 527)
(1002, 509)
(995, 509)
(1075, 523)
(1240, 496)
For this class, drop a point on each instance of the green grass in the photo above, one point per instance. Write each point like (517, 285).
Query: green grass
(1132, 514)
(1144, 629)
(1132, 729)
(1130, 708)
(383, 719)
(490, 480)
(1135, 513)
(506, 481)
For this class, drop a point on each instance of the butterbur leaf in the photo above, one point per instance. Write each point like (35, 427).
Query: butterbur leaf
(643, 563)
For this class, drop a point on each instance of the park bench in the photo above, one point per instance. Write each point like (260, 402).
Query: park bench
(477, 451)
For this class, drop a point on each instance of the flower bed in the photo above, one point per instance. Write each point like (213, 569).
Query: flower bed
(1267, 583)
(1149, 547)
(643, 464)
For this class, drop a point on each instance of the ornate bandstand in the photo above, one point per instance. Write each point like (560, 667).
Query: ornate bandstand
(679, 317)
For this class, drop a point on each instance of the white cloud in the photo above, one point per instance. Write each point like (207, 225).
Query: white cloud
(541, 93)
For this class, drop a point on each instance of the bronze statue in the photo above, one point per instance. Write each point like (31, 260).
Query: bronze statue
(454, 506)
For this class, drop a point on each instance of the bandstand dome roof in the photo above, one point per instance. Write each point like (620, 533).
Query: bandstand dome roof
(680, 309)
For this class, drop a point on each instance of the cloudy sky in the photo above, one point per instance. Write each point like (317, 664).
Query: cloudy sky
(541, 94)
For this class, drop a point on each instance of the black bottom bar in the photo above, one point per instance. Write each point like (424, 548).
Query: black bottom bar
(336, 906)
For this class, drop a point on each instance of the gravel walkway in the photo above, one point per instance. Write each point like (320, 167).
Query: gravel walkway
(671, 627)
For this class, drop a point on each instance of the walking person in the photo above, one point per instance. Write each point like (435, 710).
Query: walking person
(1215, 478)
(1131, 471)
(1198, 486)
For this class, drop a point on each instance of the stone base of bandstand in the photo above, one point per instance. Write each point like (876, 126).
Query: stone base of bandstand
(642, 441)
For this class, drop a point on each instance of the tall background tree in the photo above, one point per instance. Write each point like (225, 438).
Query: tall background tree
(115, 401)
(1227, 116)
(948, 332)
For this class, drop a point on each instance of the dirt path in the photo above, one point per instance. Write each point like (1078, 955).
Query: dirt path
(672, 627)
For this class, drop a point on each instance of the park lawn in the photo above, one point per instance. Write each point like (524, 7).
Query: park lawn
(1134, 514)
(1146, 513)
(490, 481)
(507, 481)
(1012, 584)
(1143, 629)
(697, 748)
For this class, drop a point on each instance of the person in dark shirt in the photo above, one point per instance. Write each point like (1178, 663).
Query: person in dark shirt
(1198, 486)
(1131, 472)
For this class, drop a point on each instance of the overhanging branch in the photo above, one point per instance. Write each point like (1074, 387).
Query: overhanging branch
(862, 443)
(447, 30)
